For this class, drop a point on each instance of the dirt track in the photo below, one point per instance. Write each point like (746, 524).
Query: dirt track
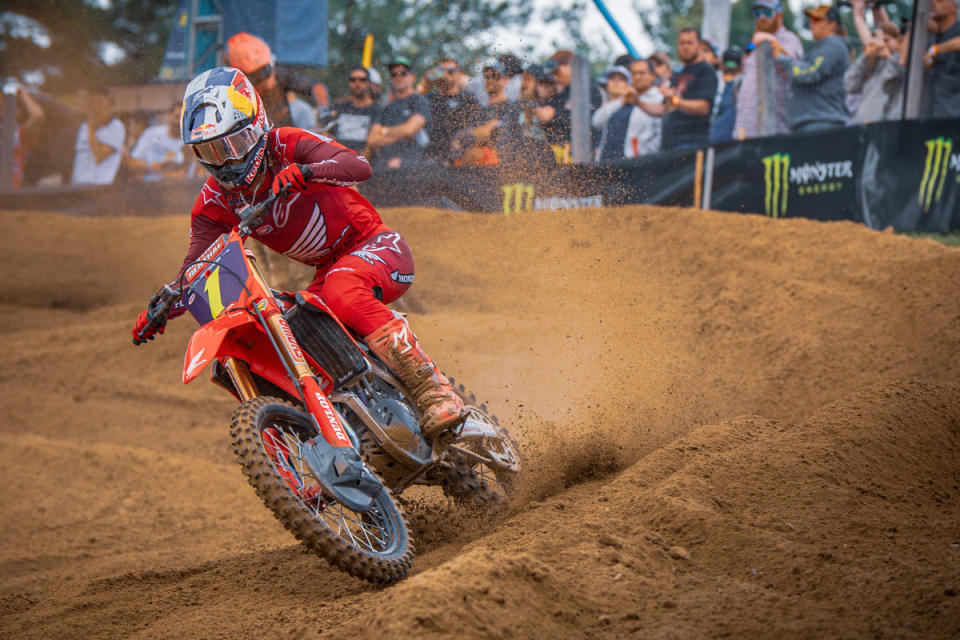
(736, 427)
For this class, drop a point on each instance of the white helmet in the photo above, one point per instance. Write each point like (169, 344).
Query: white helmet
(224, 122)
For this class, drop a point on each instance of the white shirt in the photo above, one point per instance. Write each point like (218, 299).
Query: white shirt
(86, 169)
(643, 130)
(157, 146)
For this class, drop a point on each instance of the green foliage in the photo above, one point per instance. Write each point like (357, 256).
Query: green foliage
(77, 30)
(665, 21)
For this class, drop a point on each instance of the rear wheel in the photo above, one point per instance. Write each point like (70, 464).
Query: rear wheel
(268, 437)
(485, 469)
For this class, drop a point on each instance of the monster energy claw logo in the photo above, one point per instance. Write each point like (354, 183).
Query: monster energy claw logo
(517, 197)
(776, 169)
(934, 171)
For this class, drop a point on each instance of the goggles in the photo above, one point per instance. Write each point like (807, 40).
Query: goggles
(259, 75)
(234, 146)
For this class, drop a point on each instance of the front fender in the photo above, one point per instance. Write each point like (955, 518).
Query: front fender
(206, 342)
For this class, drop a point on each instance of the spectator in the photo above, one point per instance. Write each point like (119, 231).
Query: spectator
(877, 74)
(709, 54)
(942, 77)
(514, 69)
(496, 139)
(29, 115)
(301, 112)
(628, 131)
(816, 81)
(451, 108)
(376, 85)
(138, 122)
(398, 135)
(356, 112)
(608, 119)
(253, 57)
(158, 152)
(555, 116)
(99, 147)
(727, 109)
(767, 23)
(688, 99)
(663, 66)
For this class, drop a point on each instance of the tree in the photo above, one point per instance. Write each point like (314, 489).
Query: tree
(673, 15)
(77, 33)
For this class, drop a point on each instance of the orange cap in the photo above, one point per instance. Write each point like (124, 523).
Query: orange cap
(247, 52)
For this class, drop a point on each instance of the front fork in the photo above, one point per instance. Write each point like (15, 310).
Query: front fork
(317, 404)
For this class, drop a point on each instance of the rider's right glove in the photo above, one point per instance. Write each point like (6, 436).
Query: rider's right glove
(149, 331)
(292, 177)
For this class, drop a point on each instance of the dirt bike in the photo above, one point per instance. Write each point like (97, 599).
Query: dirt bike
(325, 433)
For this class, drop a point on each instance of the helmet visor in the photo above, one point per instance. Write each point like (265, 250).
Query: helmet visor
(234, 146)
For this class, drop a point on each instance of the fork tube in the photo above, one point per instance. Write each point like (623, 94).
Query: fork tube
(240, 376)
(317, 404)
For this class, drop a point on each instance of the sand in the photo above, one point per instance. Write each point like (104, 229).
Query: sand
(734, 427)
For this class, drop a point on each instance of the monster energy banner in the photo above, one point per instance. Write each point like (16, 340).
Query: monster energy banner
(900, 174)
(810, 176)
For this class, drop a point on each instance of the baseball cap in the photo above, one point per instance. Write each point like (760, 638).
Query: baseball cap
(769, 4)
(732, 58)
(823, 12)
(539, 72)
(399, 61)
(617, 69)
(495, 65)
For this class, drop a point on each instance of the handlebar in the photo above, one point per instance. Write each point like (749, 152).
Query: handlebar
(157, 310)
(251, 214)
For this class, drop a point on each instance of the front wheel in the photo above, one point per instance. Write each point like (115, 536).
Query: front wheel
(268, 437)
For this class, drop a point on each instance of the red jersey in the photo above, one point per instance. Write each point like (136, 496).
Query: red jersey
(316, 226)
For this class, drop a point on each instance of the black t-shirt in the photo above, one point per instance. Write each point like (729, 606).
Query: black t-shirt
(409, 150)
(558, 129)
(449, 114)
(353, 123)
(506, 138)
(697, 81)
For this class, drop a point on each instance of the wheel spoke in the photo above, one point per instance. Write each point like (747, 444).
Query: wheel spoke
(363, 530)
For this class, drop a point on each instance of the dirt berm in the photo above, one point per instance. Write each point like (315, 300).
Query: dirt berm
(735, 427)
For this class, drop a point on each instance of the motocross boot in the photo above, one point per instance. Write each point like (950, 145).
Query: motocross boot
(398, 348)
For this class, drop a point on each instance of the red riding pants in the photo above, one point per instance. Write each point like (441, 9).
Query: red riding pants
(358, 286)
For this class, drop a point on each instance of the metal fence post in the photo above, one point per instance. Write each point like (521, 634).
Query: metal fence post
(9, 126)
(913, 100)
(766, 91)
(580, 147)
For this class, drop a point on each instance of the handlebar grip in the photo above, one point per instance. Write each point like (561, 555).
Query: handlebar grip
(157, 310)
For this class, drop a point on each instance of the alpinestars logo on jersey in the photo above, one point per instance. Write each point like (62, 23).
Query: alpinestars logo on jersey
(809, 178)
(940, 159)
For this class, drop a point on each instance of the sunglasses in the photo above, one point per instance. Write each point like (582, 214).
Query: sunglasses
(763, 12)
(399, 73)
(358, 79)
(261, 74)
(449, 69)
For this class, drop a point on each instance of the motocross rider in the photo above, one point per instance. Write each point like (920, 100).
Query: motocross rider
(361, 263)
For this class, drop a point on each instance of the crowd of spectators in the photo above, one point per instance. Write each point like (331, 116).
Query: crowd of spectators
(512, 113)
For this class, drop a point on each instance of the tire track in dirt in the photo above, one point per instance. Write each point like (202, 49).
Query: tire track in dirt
(746, 420)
